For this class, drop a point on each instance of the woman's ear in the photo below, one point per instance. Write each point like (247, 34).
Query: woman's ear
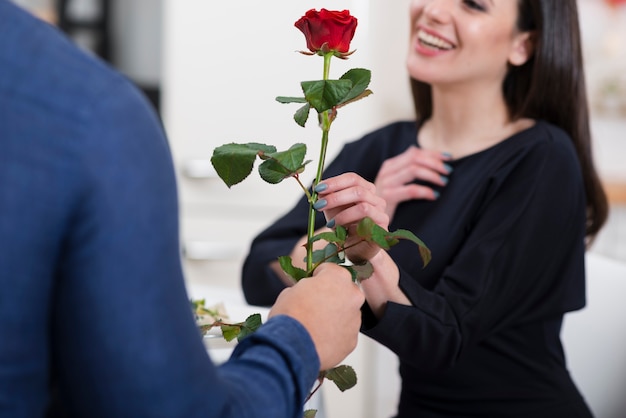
(523, 48)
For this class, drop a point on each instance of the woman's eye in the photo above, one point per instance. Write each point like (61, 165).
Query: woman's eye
(472, 4)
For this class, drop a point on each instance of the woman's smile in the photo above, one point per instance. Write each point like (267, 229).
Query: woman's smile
(429, 42)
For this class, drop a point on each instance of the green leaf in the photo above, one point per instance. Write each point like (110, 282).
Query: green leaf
(423, 249)
(330, 236)
(197, 304)
(338, 257)
(344, 377)
(230, 332)
(318, 256)
(302, 115)
(242, 329)
(353, 273)
(205, 328)
(295, 273)
(360, 79)
(310, 413)
(361, 272)
(325, 94)
(329, 254)
(370, 231)
(281, 165)
(342, 233)
(284, 99)
(234, 162)
(359, 97)
(364, 227)
(292, 158)
(251, 324)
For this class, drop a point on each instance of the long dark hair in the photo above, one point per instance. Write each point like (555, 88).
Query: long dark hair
(549, 86)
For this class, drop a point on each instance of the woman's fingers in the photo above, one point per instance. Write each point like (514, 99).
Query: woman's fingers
(352, 214)
(343, 181)
(396, 179)
(413, 164)
(348, 198)
(408, 192)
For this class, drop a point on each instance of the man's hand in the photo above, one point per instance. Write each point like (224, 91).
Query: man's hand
(328, 306)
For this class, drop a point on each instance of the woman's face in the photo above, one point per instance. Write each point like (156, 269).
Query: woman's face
(464, 41)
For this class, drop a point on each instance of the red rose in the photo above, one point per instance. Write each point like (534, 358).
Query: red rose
(615, 3)
(327, 30)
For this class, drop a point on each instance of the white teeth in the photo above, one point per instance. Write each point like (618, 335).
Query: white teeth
(434, 41)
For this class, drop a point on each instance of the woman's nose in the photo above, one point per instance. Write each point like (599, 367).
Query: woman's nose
(438, 11)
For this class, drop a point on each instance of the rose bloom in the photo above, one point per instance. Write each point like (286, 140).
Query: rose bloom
(615, 3)
(327, 30)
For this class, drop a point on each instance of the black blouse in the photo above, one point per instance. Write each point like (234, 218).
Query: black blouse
(507, 241)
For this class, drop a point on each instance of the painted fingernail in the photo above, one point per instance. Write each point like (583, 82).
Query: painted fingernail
(331, 223)
(320, 204)
(437, 194)
(446, 154)
(444, 179)
(321, 187)
(448, 168)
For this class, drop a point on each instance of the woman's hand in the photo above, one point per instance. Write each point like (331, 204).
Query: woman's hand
(394, 181)
(345, 200)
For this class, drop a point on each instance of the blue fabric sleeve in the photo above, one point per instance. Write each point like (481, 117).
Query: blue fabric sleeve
(282, 340)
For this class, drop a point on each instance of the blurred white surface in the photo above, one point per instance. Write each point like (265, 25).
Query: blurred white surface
(595, 338)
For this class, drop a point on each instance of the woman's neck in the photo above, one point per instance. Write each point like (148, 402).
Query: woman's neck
(466, 121)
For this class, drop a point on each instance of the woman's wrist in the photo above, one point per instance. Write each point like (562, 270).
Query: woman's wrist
(382, 286)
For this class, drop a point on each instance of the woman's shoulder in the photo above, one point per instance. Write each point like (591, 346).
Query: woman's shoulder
(550, 132)
(548, 137)
(539, 149)
(544, 151)
(539, 138)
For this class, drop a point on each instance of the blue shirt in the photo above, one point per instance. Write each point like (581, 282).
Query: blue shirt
(94, 317)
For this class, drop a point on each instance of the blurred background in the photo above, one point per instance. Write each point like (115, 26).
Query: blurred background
(212, 71)
(126, 33)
